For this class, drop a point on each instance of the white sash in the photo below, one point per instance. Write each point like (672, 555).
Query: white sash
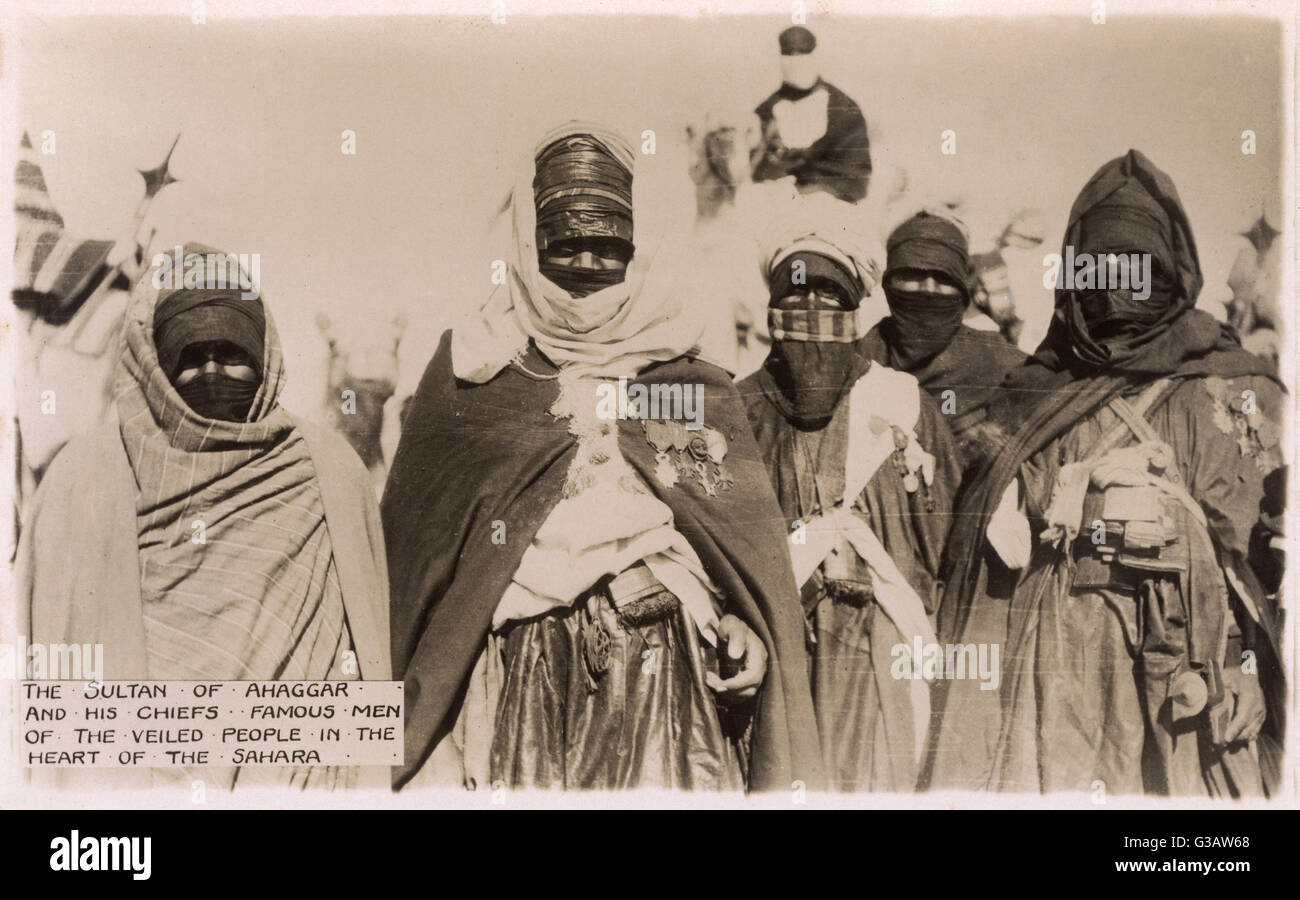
(881, 398)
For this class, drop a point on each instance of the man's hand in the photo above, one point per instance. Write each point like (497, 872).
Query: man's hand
(740, 644)
(1247, 705)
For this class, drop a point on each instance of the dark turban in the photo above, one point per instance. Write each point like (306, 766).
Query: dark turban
(922, 324)
(796, 40)
(1128, 221)
(193, 316)
(581, 190)
(930, 243)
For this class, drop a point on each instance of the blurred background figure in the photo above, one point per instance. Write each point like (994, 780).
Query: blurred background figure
(360, 386)
(723, 243)
(1021, 248)
(1255, 282)
(811, 130)
(1007, 289)
(70, 294)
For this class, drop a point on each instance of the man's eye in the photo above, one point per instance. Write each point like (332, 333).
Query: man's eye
(829, 295)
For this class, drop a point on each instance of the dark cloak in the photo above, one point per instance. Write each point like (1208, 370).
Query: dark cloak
(840, 160)
(972, 365)
(474, 455)
(1054, 389)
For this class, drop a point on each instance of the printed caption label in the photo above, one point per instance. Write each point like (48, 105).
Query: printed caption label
(127, 724)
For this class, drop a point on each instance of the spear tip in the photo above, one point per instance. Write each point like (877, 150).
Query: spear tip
(158, 178)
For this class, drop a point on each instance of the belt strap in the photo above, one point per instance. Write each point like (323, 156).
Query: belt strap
(1134, 420)
(1133, 416)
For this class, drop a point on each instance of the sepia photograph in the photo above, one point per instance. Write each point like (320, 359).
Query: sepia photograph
(723, 404)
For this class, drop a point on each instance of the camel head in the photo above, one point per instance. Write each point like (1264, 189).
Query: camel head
(361, 377)
(720, 164)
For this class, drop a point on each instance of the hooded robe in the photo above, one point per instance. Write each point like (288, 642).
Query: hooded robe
(1096, 654)
(288, 581)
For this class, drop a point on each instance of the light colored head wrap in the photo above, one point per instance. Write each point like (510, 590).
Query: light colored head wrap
(618, 330)
(819, 223)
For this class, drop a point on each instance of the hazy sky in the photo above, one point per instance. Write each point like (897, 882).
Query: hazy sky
(443, 106)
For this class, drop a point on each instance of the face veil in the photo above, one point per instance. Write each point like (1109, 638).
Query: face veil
(1108, 323)
(188, 318)
(812, 318)
(923, 323)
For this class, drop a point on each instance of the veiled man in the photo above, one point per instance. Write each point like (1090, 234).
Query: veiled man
(1106, 548)
(864, 469)
(811, 129)
(588, 593)
(928, 288)
(217, 536)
